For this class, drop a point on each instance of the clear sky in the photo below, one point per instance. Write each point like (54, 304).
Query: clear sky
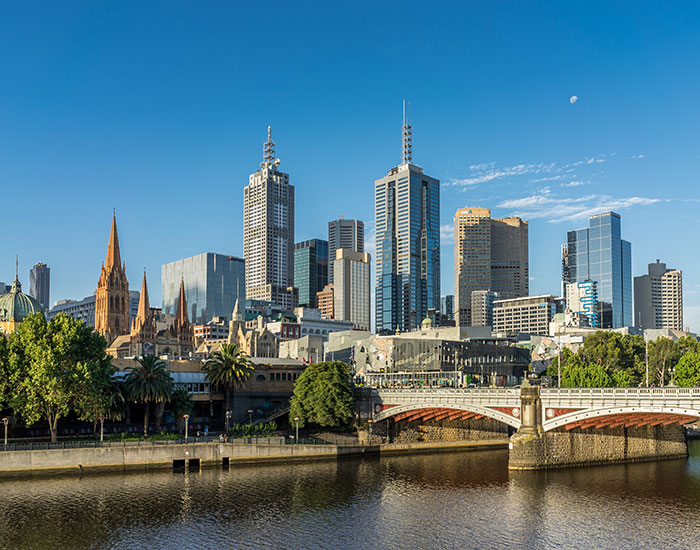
(160, 109)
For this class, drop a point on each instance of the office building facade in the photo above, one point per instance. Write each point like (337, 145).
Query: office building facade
(447, 307)
(342, 233)
(40, 284)
(213, 282)
(526, 315)
(351, 289)
(598, 253)
(490, 254)
(407, 221)
(311, 268)
(268, 232)
(482, 307)
(658, 298)
(325, 301)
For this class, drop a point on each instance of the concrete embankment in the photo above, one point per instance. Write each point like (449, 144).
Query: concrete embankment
(147, 456)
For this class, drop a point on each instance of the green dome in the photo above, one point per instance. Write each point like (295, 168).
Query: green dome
(17, 306)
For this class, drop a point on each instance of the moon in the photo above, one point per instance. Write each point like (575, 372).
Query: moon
(573, 99)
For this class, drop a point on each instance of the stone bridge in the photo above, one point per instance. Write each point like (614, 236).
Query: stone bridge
(587, 425)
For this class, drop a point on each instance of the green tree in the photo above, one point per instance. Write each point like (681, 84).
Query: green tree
(615, 352)
(688, 370)
(53, 368)
(323, 395)
(4, 371)
(590, 375)
(149, 382)
(226, 369)
(687, 344)
(663, 354)
(182, 404)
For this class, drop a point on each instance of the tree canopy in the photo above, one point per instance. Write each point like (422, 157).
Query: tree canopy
(323, 395)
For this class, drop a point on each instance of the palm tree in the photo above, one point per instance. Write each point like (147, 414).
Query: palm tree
(226, 369)
(148, 382)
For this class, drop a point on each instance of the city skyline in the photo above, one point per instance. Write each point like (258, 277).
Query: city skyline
(578, 159)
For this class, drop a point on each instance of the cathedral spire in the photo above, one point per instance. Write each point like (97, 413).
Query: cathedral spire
(181, 315)
(144, 306)
(113, 255)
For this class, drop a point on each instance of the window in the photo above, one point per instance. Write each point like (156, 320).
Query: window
(260, 378)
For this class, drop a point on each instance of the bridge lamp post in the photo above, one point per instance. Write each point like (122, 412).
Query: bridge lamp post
(102, 429)
(250, 416)
(454, 348)
(296, 422)
(369, 424)
(5, 421)
(187, 424)
(228, 420)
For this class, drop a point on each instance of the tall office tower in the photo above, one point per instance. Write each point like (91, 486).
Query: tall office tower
(597, 253)
(490, 254)
(39, 284)
(447, 307)
(311, 268)
(482, 307)
(407, 222)
(344, 233)
(112, 303)
(212, 283)
(268, 232)
(324, 302)
(351, 290)
(658, 298)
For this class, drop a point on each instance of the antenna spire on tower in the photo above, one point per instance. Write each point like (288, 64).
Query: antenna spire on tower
(406, 136)
(269, 148)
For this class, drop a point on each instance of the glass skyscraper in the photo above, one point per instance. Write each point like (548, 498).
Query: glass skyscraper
(407, 217)
(310, 269)
(213, 282)
(598, 253)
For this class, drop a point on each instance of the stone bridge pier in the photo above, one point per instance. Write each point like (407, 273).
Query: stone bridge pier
(622, 437)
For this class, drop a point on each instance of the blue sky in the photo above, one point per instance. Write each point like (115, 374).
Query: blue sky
(160, 109)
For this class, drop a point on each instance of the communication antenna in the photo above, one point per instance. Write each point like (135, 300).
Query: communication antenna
(406, 136)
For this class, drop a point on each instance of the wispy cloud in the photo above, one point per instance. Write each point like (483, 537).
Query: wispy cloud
(637, 156)
(447, 233)
(488, 172)
(575, 183)
(558, 209)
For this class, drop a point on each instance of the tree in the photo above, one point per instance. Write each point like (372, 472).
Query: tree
(182, 404)
(323, 395)
(688, 370)
(54, 368)
(591, 375)
(663, 354)
(226, 369)
(687, 344)
(149, 382)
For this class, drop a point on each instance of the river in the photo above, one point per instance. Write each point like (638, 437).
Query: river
(465, 500)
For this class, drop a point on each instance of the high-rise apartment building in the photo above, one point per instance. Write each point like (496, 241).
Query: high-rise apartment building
(351, 290)
(407, 222)
(39, 284)
(342, 233)
(213, 282)
(311, 268)
(112, 298)
(658, 298)
(490, 254)
(268, 232)
(597, 253)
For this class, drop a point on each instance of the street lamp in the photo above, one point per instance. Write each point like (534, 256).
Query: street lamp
(187, 424)
(369, 424)
(296, 421)
(102, 429)
(250, 416)
(228, 420)
(5, 421)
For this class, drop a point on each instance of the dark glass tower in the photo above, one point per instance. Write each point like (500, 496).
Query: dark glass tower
(310, 269)
(598, 253)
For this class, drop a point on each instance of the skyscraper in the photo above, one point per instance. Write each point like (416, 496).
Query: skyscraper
(112, 302)
(490, 254)
(310, 269)
(342, 233)
(351, 290)
(39, 284)
(407, 221)
(658, 298)
(597, 253)
(212, 283)
(268, 232)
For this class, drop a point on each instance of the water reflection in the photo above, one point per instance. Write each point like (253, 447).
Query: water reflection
(465, 500)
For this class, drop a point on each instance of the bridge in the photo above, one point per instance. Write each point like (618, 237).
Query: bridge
(646, 421)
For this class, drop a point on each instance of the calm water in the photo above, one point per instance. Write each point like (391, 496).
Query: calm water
(456, 500)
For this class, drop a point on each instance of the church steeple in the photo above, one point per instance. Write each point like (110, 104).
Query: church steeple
(114, 257)
(144, 306)
(143, 327)
(181, 315)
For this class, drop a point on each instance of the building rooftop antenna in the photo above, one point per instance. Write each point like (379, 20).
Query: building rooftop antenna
(406, 136)
(269, 148)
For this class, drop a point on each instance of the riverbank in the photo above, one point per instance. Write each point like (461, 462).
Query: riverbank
(193, 456)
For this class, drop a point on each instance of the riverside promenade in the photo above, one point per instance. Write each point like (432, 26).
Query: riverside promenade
(149, 455)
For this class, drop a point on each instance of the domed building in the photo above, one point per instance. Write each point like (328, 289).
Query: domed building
(15, 307)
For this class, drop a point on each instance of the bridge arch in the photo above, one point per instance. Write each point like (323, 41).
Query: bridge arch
(476, 409)
(618, 416)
